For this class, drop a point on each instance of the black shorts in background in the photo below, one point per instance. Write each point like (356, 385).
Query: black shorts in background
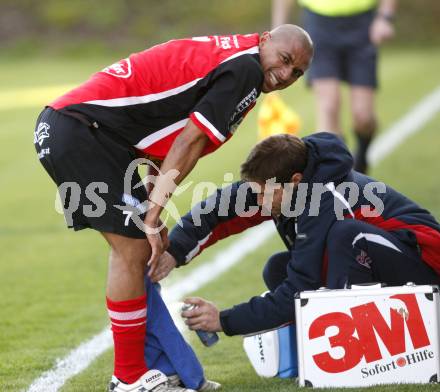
(88, 165)
(343, 49)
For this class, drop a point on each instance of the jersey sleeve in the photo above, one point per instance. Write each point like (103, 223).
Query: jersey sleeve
(214, 219)
(235, 86)
(304, 272)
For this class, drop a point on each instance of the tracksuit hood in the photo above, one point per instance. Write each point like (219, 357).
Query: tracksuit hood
(328, 158)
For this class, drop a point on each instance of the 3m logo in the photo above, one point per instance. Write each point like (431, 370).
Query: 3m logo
(121, 69)
(366, 322)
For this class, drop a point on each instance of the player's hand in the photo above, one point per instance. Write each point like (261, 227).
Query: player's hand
(205, 316)
(381, 30)
(157, 236)
(166, 264)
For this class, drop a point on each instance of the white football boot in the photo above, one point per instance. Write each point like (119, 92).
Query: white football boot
(152, 381)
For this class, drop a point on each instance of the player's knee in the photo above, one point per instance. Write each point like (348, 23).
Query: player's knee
(275, 270)
(328, 117)
(330, 109)
(129, 251)
(343, 257)
(364, 122)
(342, 234)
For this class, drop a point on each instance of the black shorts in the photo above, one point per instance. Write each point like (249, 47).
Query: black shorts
(343, 49)
(89, 167)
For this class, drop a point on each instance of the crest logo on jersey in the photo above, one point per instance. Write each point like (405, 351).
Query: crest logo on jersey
(121, 69)
(241, 109)
(41, 133)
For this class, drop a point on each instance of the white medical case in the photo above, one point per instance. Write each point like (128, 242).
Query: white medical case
(368, 335)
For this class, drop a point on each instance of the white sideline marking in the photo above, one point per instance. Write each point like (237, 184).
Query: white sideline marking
(247, 243)
(409, 124)
(75, 362)
(81, 357)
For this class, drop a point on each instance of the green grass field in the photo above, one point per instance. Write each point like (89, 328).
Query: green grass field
(52, 280)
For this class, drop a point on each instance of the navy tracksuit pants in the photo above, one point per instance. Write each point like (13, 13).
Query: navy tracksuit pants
(362, 253)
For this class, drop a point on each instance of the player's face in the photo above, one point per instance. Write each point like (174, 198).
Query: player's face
(282, 61)
(269, 197)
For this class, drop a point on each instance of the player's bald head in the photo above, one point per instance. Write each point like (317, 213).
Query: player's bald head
(294, 34)
(285, 54)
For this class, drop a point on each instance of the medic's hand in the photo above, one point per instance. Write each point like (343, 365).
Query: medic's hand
(167, 263)
(157, 236)
(205, 316)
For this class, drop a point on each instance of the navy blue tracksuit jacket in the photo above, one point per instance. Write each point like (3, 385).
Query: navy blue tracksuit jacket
(329, 168)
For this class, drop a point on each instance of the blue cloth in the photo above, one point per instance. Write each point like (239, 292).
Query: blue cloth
(165, 347)
(288, 367)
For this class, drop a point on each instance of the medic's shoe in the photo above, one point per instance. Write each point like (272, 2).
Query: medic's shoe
(152, 381)
(208, 385)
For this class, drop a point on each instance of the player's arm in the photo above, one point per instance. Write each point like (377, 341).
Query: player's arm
(281, 12)
(382, 27)
(236, 81)
(228, 211)
(387, 8)
(180, 160)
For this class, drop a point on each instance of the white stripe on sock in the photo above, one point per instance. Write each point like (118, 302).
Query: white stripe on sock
(136, 314)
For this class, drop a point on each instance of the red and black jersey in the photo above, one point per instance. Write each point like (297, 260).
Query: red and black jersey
(148, 97)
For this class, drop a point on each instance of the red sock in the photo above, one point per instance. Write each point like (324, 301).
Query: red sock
(129, 325)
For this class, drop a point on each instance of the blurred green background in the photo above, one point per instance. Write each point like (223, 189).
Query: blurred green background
(82, 26)
(52, 280)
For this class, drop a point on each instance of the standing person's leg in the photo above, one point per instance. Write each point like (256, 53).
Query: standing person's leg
(326, 70)
(328, 104)
(126, 303)
(89, 168)
(362, 253)
(364, 123)
(361, 65)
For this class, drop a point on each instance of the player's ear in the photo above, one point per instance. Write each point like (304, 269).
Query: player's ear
(265, 37)
(296, 178)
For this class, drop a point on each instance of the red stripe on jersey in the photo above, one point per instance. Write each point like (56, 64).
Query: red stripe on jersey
(215, 136)
(160, 148)
(233, 226)
(428, 238)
